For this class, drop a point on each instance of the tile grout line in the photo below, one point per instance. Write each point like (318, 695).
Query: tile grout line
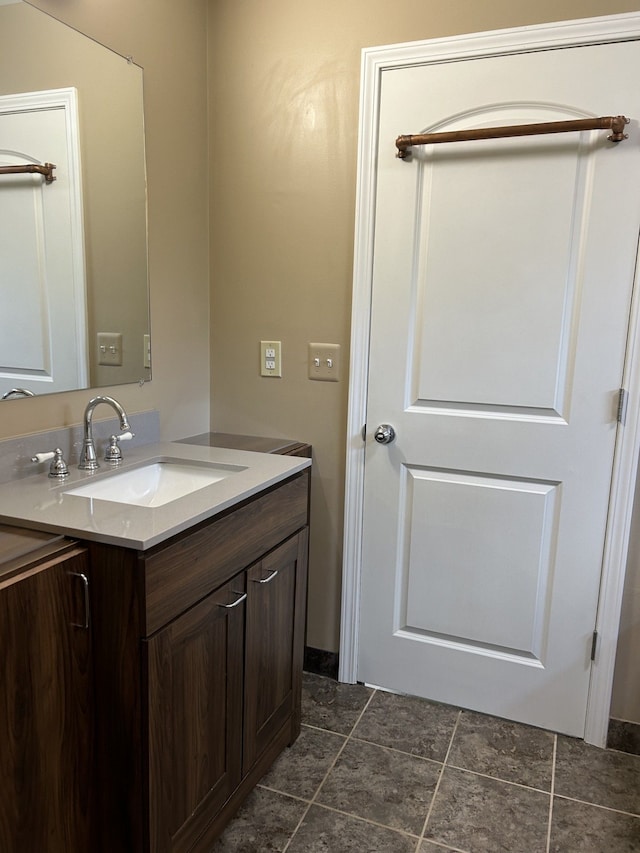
(407, 833)
(437, 788)
(552, 791)
(452, 766)
(280, 793)
(597, 806)
(396, 750)
(324, 778)
(498, 779)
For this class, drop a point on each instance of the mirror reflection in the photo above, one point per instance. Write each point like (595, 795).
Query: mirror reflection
(73, 250)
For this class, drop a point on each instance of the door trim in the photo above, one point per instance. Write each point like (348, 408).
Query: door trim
(374, 61)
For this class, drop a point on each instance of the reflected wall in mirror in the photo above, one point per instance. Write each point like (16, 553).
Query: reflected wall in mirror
(90, 281)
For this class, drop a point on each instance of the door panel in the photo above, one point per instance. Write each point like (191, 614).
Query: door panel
(464, 523)
(42, 346)
(502, 279)
(509, 306)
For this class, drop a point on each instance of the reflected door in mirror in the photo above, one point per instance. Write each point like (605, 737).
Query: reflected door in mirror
(43, 332)
(38, 54)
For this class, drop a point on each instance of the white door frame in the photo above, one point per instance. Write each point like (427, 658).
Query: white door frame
(374, 61)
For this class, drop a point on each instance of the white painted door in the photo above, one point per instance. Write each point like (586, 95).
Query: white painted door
(502, 279)
(43, 344)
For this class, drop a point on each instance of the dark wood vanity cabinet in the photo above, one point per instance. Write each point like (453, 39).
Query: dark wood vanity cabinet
(272, 669)
(198, 655)
(194, 688)
(46, 709)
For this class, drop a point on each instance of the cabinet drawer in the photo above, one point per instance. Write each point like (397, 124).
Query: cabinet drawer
(185, 571)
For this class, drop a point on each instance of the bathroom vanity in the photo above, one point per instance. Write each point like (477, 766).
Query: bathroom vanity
(191, 632)
(46, 698)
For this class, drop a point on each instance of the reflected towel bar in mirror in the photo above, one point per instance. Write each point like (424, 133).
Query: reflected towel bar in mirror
(31, 168)
(615, 124)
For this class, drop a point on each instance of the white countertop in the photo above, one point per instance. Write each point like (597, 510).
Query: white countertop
(40, 502)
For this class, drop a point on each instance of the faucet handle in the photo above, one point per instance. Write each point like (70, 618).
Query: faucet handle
(113, 453)
(58, 467)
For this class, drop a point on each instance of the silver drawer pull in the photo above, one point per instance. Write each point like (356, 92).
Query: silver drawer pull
(85, 584)
(238, 601)
(268, 579)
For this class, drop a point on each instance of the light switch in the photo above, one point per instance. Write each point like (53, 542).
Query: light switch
(110, 348)
(270, 358)
(324, 362)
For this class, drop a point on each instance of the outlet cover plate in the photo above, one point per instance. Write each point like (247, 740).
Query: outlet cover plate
(271, 358)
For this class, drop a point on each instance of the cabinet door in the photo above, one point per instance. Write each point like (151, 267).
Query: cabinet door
(45, 708)
(276, 592)
(194, 671)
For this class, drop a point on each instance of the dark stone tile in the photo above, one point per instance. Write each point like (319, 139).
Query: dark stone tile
(624, 736)
(412, 725)
(381, 785)
(600, 776)
(330, 705)
(581, 828)
(326, 831)
(503, 749)
(301, 768)
(264, 824)
(487, 816)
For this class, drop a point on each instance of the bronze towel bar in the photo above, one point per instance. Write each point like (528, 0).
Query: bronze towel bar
(614, 123)
(46, 170)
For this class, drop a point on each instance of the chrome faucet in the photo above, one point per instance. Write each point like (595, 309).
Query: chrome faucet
(88, 460)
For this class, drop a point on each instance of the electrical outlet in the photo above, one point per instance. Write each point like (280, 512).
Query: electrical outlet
(324, 362)
(270, 358)
(110, 348)
(146, 352)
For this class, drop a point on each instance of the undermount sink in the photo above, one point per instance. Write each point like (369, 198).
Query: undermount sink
(154, 484)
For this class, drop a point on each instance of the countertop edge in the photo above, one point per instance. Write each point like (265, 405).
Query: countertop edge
(37, 503)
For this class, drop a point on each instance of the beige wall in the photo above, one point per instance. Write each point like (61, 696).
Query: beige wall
(171, 46)
(284, 84)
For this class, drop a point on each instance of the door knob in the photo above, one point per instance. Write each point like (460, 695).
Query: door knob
(384, 434)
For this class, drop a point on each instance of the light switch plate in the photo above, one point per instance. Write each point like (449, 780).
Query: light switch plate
(270, 358)
(324, 362)
(110, 348)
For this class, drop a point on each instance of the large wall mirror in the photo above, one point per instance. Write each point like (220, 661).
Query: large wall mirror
(74, 305)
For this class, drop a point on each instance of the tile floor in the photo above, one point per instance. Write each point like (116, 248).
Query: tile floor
(374, 772)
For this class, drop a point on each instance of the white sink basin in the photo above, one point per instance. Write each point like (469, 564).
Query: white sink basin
(154, 484)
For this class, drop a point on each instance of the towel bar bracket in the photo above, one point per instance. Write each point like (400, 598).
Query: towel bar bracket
(31, 168)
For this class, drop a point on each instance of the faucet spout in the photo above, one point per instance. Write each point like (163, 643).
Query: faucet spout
(88, 459)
